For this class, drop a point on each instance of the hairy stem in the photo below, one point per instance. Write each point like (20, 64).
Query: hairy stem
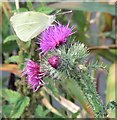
(89, 90)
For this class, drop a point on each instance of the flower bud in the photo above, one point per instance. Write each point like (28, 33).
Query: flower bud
(55, 61)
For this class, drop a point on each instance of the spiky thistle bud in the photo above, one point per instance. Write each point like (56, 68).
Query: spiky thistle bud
(54, 61)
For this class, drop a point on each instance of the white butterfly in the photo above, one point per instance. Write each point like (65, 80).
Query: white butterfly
(28, 25)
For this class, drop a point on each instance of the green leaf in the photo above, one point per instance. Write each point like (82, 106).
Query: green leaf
(79, 17)
(9, 46)
(110, 92)
(71, 87)
(12, 59)
(19, 107)
(45, 9)
(39, 112)
(112, 105)
(10, 95)
(7, 110)
(51, 86)
(10, 38)
(97, 7)
(5, 22)
(18, 102)
(29, 5)
(86, 6)
(19, 10)
(111, 34)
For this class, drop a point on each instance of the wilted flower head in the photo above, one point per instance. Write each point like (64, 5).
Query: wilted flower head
(34, 75)
(54, 36)
(54, 61)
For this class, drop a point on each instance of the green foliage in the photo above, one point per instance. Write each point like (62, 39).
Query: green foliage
(51, 86)
(7, 110)
(13, 59)
(88, 6)
(10, 38)
(30, 5)
(20, 10)
(9, 47)
(40, 113)
(112, 105)
(44, 9)
(19, 107)
(111, 89)
(10, 95)
(96, 6)
(17, 103)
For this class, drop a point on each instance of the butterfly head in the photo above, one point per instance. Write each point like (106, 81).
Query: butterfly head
(52, 18)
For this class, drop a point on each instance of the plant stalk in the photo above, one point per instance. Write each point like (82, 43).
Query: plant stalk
(89, 90)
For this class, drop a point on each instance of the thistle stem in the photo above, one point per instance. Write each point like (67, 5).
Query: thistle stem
(89, 90)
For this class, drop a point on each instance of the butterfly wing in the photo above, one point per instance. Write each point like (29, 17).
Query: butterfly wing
(28, 25)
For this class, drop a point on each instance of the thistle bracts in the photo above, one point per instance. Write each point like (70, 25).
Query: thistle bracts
(74, 65)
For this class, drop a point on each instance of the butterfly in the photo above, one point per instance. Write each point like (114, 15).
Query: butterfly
(28, 25)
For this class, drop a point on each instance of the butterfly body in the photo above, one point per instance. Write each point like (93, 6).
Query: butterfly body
(28, 25)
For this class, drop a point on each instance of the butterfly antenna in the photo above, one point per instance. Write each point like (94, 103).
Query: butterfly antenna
(57, 12)
(56, 22)
(64, 12)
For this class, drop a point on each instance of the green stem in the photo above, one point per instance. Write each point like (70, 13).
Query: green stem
(90, 93)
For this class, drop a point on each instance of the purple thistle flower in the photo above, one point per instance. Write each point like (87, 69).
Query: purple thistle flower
(34, 75)
(54, 36)
(54, 61)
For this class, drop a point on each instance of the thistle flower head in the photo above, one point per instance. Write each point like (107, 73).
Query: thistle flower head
(54, 61)
(34, 75)
(54, 36)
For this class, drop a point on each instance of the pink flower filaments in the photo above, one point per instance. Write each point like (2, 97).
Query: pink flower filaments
(54, 36)
(34, 75)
